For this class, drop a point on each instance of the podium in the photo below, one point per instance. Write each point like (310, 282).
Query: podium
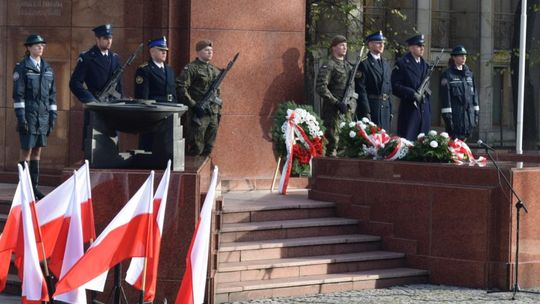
(135, 117)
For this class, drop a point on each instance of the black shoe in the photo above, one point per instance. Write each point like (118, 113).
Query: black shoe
(38, 194)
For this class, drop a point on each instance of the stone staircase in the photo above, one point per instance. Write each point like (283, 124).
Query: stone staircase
(275, 246)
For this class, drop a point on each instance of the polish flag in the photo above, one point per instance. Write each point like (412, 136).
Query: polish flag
(54, 216)
(34, 287)
(194, 280)
(74, 248)
(126, 236)
(135, 271)
(10, 236)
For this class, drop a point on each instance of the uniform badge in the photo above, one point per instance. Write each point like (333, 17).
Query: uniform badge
(16, 76)
(444, 81)
(139, 80)
(79, 59)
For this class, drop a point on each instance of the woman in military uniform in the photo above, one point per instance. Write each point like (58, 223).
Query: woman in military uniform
(34, 101)
(458, 96)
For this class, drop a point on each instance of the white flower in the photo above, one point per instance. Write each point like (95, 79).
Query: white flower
(372, 124)
(451, 149)
(352, 134)
(444, 134)
(433, 144)
(342, 124)
(365, 119)
(351, 124)
(432, 133)
(421, 135)
(321, 133)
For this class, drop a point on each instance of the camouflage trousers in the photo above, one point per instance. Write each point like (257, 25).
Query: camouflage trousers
(201, 138)
(331, 123)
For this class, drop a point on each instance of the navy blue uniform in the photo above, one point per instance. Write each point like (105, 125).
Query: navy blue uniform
(374, 89)
(459, 101)
(414, 118)
(34, 99)
(93, 70)
(152, 82)
(159, 84)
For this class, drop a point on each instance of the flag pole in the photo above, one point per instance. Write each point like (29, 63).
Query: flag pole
(48, 278)
(148, 240)
(521, 81)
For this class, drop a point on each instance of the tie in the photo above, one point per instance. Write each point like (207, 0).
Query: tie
(37, 66)
(379, 61)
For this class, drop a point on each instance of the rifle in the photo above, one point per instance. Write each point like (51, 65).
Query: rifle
(109, 93)
(350, 95)
(423, 89)
(210, 97)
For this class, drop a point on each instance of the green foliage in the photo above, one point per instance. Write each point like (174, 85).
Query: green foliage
(432, 147)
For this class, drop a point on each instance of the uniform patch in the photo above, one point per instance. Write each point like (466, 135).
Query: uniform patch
(79, 59)
(16, 76)
(143, 65)
(139, 80)
(444, 81)
(186, 67)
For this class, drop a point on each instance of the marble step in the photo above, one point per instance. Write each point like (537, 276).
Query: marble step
(327, 283)
(303, 266)
(287, 229)
(296, 247)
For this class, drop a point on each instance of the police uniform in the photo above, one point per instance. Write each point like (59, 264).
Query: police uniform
(154, 82)
(331, 86)
(34, 102)
(374, 87)
(414, 116)
(192, 84)
(93, 71)
(459, 99)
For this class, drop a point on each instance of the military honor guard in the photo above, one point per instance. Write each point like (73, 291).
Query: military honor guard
(94, 69)
(331, 86)
(373, 84)
(192, 84)
(414, 116)
(155, 80)
(34, 102)
(459, 99)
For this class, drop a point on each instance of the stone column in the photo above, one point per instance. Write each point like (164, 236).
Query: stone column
(484, 80)
(423, 20)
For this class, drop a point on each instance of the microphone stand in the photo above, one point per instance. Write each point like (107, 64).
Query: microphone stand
(519, 205)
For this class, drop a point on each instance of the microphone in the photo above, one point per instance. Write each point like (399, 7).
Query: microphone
(486, 146)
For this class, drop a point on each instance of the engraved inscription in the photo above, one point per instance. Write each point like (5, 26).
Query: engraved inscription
(40, 8)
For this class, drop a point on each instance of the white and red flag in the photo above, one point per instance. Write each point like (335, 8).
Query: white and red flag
(126, 236)
(134, 275)
(194, 280)
(54, 213)
(74, 244)
(34, 287)
(54, 216)
(9, 239)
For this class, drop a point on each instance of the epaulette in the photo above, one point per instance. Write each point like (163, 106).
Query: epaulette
(143, 64)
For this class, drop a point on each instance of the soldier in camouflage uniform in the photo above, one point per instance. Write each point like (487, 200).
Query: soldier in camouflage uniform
(331, 86)
(192, 84)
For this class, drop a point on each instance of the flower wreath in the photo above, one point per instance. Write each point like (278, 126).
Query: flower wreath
(298, 136)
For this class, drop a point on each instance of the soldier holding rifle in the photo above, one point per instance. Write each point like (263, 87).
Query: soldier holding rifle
(94, 69)
(198, 88)
(408, 76)
(332, 85)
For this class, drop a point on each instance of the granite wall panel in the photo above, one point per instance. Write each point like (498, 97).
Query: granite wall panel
(3, 133)
(120, 13)
(37, 13)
